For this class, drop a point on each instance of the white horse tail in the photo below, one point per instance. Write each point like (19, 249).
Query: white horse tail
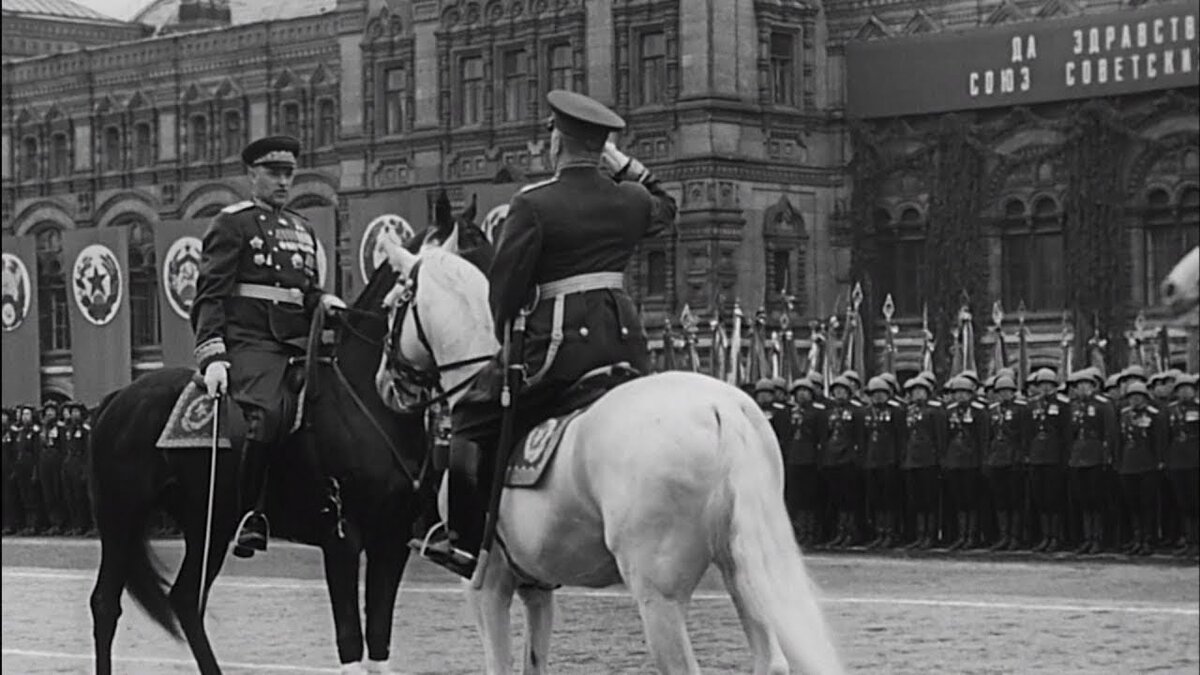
(769, 572)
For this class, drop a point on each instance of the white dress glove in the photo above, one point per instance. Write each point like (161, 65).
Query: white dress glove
(330, 301)
(622, 165)
(216, 378)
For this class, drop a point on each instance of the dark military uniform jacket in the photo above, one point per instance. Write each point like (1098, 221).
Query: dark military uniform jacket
(1011, 428)
(968, 434)
(1051, 419)
(925, 435)
(1094, 432)
(8, 446)
(808, 434)
(781, 423)
(580, 221)
(28, 442)
(251, 242)
(75, 439)
(51, 438)
(1184, 449)
(883, 434)
(844, 427)
(1144, 433)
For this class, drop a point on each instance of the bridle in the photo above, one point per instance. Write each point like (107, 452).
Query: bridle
(426, 379)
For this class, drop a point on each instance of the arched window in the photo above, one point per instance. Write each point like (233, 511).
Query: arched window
(900, 269)
(327, 123)
(198, 138)
(143, 283)
(143, 145)
(53, 317)
(232, 143)
(1170, 233)
(1033, 269)
(29, 158)
(112, 148)
(60, 159)
(289, 122)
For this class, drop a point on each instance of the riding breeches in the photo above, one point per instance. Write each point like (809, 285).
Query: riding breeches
(263, 384)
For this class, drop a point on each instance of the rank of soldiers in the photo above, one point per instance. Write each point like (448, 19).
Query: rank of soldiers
(1086, 465)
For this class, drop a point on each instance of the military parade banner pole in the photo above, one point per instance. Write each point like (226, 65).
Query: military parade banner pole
(668, 338)
(98, 297)
(852, 344)
(967, 334)
(816, 348)
(760, 366)
(1067, 351)
(830, 354)
(19, 306)
(1097, 345)
(688, 321)
(1133, 339)
(720, 346)
(1022, 347)
(735, 347)
(1163, 357)
(999, 349)
(927, 341)
(889, 335)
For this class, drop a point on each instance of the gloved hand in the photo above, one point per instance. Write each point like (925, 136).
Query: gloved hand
(622, 166)
(216, 378)
(330, 301)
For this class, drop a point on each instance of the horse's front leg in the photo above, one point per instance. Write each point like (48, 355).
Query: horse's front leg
(539, 621)
(491, 604)
(386, 558)
(341, 577)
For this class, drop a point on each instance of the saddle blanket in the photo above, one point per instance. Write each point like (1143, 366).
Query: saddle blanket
(534, 452)
(190, 422)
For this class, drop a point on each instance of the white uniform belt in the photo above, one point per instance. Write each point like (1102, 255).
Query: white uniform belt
(291, 296)
(580, 283)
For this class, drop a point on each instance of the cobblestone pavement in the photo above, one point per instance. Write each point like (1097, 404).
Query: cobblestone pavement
(890, 615)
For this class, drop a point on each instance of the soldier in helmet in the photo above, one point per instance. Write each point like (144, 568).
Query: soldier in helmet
(968, 435)
(777, 413)
(1011, 428)
(924, 443)
(856, 383)
(257, 290)
(1094, 438)
(1050, 412)
(567, 240)
(1132, 373)
(50, 458)
(1144, 433)
(28, 438)
(1183, 461)
(809, 418)
(12, 506)
(1112, 387)
(1162, 387)
(840, 456)
(76, 433)
(883, 441)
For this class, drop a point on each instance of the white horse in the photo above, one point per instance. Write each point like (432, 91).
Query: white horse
(1181, 288)
(659, 479)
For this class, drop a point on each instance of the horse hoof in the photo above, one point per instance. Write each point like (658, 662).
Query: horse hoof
(355, 668)
(378, 667)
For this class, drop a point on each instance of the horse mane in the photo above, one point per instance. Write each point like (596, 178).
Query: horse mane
(370, 298)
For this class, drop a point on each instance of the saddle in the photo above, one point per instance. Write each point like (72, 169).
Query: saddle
(534, 452)
(190, 422)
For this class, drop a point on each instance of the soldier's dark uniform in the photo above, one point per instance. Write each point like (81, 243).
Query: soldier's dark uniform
(883, 443)
(839, 461)
(8, 445)
(257, 289)
(1144, 433)
(28, 435)
(1048, 448)
(800, 458)
(1003, 464)
(778, 414)
(564, 243)
(1183, 460)
(1094, 438)
(49, 469)
(75, 436)
(968, 424)
(924, 442)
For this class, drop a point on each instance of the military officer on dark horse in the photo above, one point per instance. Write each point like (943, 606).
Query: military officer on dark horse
(561, 250)
(255, 296)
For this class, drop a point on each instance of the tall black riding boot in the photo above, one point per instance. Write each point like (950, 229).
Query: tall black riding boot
(252, 480)
(1002, 532)
(455, 543)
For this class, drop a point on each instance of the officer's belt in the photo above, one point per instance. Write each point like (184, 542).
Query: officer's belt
(558, 292)
(291, 296)
(581, 283)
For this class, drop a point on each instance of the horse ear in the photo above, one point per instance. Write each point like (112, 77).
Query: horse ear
(400, 258)
(468, 215)
(451, 242)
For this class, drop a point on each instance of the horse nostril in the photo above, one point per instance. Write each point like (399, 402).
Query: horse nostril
(1168, 289)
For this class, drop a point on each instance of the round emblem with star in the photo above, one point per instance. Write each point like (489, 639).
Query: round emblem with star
(198, 414)
(180, 270)
(96, 280)
(538, 441)
(370, 251)
(492, 221)
(14, 303)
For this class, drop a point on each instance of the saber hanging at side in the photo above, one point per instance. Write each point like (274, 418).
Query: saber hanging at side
(202, 595)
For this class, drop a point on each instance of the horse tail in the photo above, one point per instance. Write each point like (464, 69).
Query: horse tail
(146, 583)
(769, 574)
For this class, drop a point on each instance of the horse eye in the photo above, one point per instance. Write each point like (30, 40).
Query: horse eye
(1169, 289)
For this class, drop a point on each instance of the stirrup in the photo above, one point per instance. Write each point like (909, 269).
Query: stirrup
(440, 525)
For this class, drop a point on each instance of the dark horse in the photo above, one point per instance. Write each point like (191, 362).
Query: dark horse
(376, 458)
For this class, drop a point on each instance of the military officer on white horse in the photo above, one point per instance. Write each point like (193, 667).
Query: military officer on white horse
(562, 246)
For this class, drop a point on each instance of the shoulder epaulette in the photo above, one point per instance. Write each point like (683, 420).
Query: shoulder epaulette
(1062, 398)
(1152, 410)
(978, 406)
(297, 214)
(934, 403)
(1020, 401)
(540, 184)
(817, 405)
(1102, 398)
(895, 404)
(856, 403)
(994, 404)
(237, 207)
